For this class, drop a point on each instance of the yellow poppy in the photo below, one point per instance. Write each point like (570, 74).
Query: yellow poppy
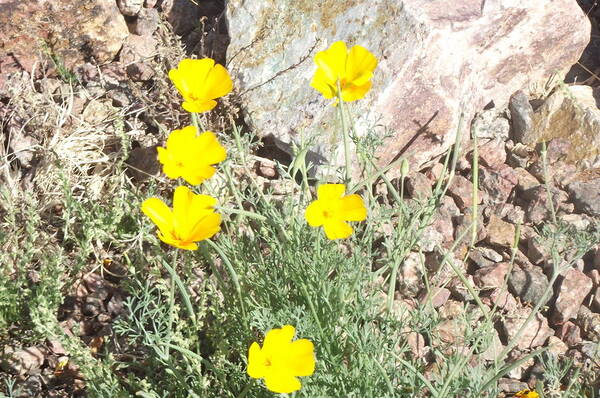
(200, 81)
(332, 209)
(353, 68)
(527, 394)
(281, 361)
(191, 156)
(192, 219)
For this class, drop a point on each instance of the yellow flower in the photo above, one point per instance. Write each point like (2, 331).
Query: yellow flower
(332, 210)
(192, 219)
(281, 361)
(527, 394)
(190, 156)
(354, 70)
(200, 81)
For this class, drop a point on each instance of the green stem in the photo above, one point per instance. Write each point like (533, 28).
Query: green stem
(232, 274)
(171, 302)
(245, 213)
(344, 133)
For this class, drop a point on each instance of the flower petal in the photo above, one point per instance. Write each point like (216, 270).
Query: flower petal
(360, 65)
(337, 229)
(301, 358)
(329, 192)
(212, 151)
(205, 228)
(159, 213)
(199, 106)
(281, 382)
(314, 214)
(352, 93)
(352, 208)
(178, 243)
(218, 82)
(320, 83)
(256, 362)
(333, 61)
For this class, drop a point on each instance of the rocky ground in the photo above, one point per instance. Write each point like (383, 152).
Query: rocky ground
(521, 187)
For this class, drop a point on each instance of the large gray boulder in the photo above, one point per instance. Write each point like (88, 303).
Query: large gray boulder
(437, 59)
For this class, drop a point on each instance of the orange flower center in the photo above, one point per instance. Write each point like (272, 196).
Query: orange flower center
(267, 362)
(327, 214)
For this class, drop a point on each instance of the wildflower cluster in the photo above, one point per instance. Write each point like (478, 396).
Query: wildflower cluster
(191, 154)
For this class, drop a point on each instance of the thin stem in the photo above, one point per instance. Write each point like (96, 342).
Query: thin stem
(344, 133)
(547, 182)
(171, 302)
(475, 174)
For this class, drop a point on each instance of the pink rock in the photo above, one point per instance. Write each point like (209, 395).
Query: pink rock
(498, 183)
(556, 346)
(438, 297)
(596, 301)
(503, 299)
(570, 333)
(492, 276)
(535, 334)
(574, 288)
(492, 154)
(461, 191)
(416, 342)
(74, 31)
(499, 232)
(436, 59)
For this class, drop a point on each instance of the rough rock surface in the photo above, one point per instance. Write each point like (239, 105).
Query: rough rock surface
(572, 114)
(73, 32)
(573, 290)
(436, 59)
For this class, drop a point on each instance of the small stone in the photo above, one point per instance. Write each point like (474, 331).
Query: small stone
(410, 273)
(146, 22)
(590, 350)
(589, 323)
(503, 300)
(418, 185)
(580, 222)
(521, 113)
(594, 275)
(538, 209)
(494, 347)
(491, 254)
(498, 183)
(574, 287)
(266, 168)
(130, 7)
(461, 191)
(529, 284)
(416, 342)
(451, 309)
(535, 334)
(492, 154)
(535, 250)
(150, 3)
(570, 334)
(22, 361)
(56, 347)
(465, 222)
(511, 385)
(586, 196)
(525, 180)
(438, 297)
(500, 233)
(140, 71)
(556, 346)
(459, 291)
(492, 276)
(479, 259)
(491, 124)
(92, 306)
(596, 301)
(443, 216)
(430, 239)
(137, 48)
